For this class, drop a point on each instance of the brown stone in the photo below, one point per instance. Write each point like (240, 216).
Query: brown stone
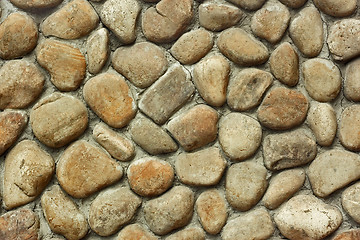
(351, 83)
(353, 234)
(336, 8)
(35, 4)
(293, 3)
(248, 4)
(193, 233)
(135, 232)
(349, 128)
(350, 201)
(97, 48)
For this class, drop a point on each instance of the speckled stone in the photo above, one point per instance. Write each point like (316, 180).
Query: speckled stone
(336, 8)
(293, 3)
(35, 4)
(351, 83)
(193, 233)
(353, 234)
(349, 128)
(135, 232)
(97, 48)
(350, 201)
(248, 4)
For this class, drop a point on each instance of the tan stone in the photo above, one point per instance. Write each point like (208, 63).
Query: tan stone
(248, 4)
(336, 8)
(193, 233)
(293, 3)
(353, 234)
(35, 4)
(135, 232)
(351, 83)
(349, 128)
(350, 201)
(97, 48)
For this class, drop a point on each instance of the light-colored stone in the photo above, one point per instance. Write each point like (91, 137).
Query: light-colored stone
(97, 48)
(353, 234)
(336, 8)
(35, 4)
(193, 233)
(293, 3)
(248, 4)
(352, 83)
(349, 128)
(135, 232)
(350, 201)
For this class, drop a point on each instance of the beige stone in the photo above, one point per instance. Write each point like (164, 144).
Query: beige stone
(97, 48)
(135, 232)
(336, 8)
(293, 3)
(193, 233)
(351, 83)
(353, 234)
(248, 4)
(349, 128)
(35, 4)
(350, 201)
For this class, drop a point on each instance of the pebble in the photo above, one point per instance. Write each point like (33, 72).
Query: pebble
(247, 88)
(58, 119)
(242, 48)
(142, 63)
(120, 17)
(151, 137)
(65, 63)
(322, 79)
(167, 21)
(195, 128)
(176, 85)
(343, 39)
(12, 124)
(84, 169)
(307, 217)
(211, 77)
(239, 136)
(117, 145)
(353, 234)
(322, 121)
(217, 17)
(201, 168)
(283, 186)
(109, 96)
(150, 176)
(35, 4)
(332, 170)
(349, 128)
(211, 210)
(293, 3)
(193, 233)
(306, 31)
(170, 211)
(250, 5)
(350, 201)
(351, 83)
(256, 224)
(21, 84)
(97, 48)
(192, 46)
(74, 20)
(336, 8)
(283, 109)
(18, 36)
(289, 149)
(245, 184)
(28, 170)
(135, 232)
(271, 21)
(62, 214)
(284, 64)
(112, 209)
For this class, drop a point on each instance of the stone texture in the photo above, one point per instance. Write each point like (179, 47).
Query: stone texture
(35, 4)
(351, 83)
(195, 128)
(176, 85)
(248, 4)
(211, 210)
(293, 3)
(336, 8)
(58, 119)
(333, 170)
(109, 96)
(120, 17)
(97, 48)
(142, 63)
(247, 88)
(239, 136)
(284, 64)
(350, 201)
(283, 109)
(349, 128)
(202, 168)
(62, 214)
(151, 137)
(353, 234)
(18, 36)
(65, 63)
(84, 169)
(217, 17)
(283, 186)
(28, 170)
(307, 217)
(150, 176)
(242, 48)
(256, 224)
(193, 233)
(170, 211)
(135, 232)
(306, 31)
(112, 209)
(289, 149)
(245, 185)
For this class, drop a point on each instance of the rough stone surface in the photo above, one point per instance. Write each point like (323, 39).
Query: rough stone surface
(193, 233)
(35, 4)
(350, 201)
(135, 232)
(336, 8)
(351, 83)
(349, 128)
(97, 48)
(248, 4)
(353, 234)
(293, 3)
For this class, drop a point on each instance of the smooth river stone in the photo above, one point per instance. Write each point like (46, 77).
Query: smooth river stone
(250, 5)
(97, 47)
(353, 234)
(135, 232)
(351, 82)
(294, 3)
(193, 233)
(349, 128)
(35, 4)
(350, 201)
(336, 8)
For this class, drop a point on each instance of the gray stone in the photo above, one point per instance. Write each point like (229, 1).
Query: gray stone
(97, 48)
(351, 83)
(350, 201)
(349, 128)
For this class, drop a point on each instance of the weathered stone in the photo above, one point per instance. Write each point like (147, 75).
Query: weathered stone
(142, 63)
(62, 214)
(336, 8)
(211, 209)
(283, 186)
(239, 136)
(176, 85)
(307, 33)
(289, 149)
(170, 211)
(28, 169)
(35, 4)
(307, 217)
(248, 4)
(193, 233)
(151, 137)
(283, 109)
(112, 209)
(352, 83)
(84, 169)
(245, 185)
(66, 64)
(256, 224)
(109, 96)
(293, 3)
(333, 170)
(195, 128)
(353, 234)
(150, 176)
(350, 201)
(242, 48)
(135, 232)
(120, 17)
(349, 128)
(74, 20)
(58, 119)
(18, 36)
(247, 88)
(97, 48)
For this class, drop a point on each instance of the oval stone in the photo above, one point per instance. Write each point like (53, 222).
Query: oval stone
(350, 201)
(97, 47)
(293, 3)
(336, 8)
(350, 127)
(135, 232)
(248, 4)
(35, 4)
(351, 83)
(193, 233)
